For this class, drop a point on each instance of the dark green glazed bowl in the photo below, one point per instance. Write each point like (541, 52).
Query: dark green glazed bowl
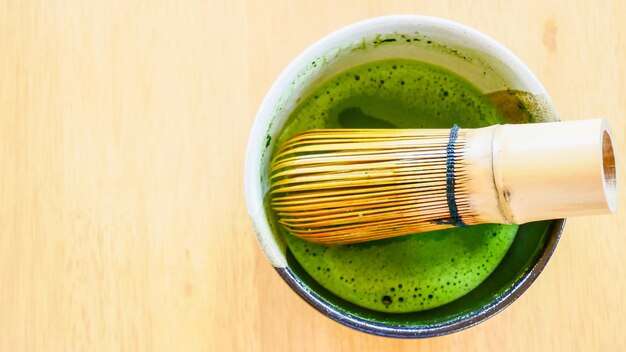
(478, 58)
(527, 257)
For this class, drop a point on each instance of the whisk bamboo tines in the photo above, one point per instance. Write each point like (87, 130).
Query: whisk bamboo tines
(341, 186)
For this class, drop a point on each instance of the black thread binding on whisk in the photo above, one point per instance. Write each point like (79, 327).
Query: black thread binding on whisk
(455, 218)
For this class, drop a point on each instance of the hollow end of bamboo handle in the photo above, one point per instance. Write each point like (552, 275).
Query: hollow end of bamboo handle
(554, 170)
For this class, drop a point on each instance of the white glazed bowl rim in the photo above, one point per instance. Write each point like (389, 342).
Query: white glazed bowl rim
(256, 145)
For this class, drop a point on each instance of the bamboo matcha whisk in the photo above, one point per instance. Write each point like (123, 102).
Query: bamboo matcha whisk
(341, 186)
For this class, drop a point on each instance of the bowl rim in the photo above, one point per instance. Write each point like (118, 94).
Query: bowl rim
(254, 198)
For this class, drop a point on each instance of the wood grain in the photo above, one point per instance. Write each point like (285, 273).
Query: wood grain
(123, 126)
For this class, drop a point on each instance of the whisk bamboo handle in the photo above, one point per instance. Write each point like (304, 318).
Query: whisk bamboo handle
(531, 172)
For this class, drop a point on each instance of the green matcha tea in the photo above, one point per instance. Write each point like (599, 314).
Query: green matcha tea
(415, 272)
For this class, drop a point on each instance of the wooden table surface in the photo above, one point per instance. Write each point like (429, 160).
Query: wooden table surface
(123, 128)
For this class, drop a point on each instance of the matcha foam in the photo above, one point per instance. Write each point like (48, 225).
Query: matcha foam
(415, 272)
